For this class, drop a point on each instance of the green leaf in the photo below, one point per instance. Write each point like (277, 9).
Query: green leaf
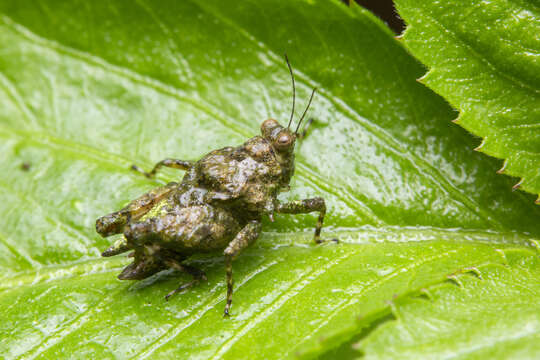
(502, 323)
(484, 57)
(89, 88)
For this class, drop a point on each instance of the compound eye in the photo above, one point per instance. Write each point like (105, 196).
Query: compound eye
(284, 139)
(268, 125)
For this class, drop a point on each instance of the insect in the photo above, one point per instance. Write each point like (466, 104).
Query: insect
(218, 205)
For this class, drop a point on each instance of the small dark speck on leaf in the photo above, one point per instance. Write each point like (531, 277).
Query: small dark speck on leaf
(25, 166)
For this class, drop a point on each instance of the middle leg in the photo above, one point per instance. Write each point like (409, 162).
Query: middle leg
(243, 239)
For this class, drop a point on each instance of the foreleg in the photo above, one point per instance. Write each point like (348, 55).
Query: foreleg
(172, 163)
(303, 207)
(243, 239)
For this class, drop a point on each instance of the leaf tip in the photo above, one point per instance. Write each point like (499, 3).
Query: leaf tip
(503, 167)
(458, 118)
(422, 78)
(518, 185)
(479, 147)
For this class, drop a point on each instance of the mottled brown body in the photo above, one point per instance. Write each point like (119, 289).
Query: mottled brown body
(218, 206)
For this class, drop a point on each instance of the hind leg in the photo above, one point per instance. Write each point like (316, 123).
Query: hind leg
(151, 256)
(115, 222)
(192, 229)
(161, 241)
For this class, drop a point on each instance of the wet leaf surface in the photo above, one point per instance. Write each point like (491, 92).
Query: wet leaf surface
(89, 88)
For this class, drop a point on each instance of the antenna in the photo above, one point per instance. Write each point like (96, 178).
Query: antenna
(293, 90)
(305, 111)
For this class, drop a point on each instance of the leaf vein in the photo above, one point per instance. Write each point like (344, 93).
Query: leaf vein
(481, 58)
(58, 336)
(16, 252)
(69, 228)
(374, 285)
(203, 307)
(13, 92)
(295, 288)
(534, 333)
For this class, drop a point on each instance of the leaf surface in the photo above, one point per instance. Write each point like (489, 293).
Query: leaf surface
(484, 57)
(89, 88)
(494, 316)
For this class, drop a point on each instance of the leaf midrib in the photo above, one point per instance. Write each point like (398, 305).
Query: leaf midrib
(269, 240)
